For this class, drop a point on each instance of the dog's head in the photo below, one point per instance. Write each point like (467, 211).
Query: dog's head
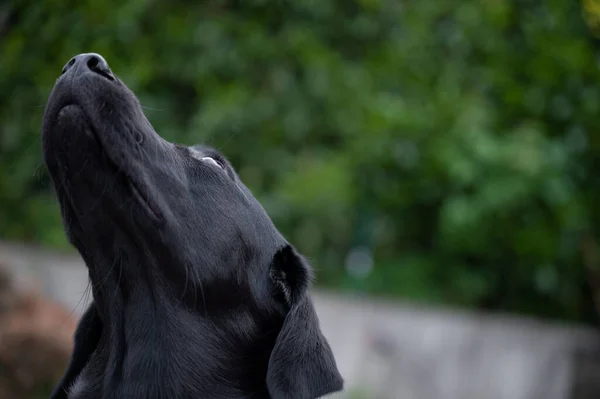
(162, 223)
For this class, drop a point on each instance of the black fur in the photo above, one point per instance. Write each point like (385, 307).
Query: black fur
(196, 293)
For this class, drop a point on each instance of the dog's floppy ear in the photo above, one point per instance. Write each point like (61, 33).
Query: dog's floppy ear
(86, 340)
(301, 365)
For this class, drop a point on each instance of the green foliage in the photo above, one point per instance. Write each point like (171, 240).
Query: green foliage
(457, 139)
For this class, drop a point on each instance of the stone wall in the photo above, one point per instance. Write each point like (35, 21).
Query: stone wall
(394, 350)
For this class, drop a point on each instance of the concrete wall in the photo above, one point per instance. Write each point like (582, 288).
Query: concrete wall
(393, 350)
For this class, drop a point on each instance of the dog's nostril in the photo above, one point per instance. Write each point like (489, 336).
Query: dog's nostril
(97, 64)
(93, 63)
(68, 66)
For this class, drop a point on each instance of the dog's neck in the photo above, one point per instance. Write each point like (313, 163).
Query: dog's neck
(171, 351)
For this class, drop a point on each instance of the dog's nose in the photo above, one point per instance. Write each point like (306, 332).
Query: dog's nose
(88, 62)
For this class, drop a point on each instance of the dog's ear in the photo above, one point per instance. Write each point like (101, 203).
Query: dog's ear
(85, 340)
(301, 365)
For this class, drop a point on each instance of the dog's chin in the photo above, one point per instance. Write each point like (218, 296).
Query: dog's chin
(72, 120)
(73, 143)
(69, 139)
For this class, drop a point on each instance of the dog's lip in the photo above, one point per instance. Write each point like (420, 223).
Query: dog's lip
(150, 206)
(137, 190)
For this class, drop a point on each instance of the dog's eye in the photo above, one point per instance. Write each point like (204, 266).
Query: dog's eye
(211, 160)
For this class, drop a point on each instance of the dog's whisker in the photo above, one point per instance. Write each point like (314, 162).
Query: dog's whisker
(105, 278)
(116, 290)
(227, 140)
(37, 172)
(198, 281)
(153, 109)
(83, 295)
(183, 292)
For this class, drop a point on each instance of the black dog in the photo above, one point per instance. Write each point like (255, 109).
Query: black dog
(196, 293)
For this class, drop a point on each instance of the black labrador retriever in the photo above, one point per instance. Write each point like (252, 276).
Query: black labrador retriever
(196, 293)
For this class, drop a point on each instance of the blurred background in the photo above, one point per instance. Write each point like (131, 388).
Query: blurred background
(437, 161)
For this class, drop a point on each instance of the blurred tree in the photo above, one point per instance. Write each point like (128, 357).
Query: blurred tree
(455, 143)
